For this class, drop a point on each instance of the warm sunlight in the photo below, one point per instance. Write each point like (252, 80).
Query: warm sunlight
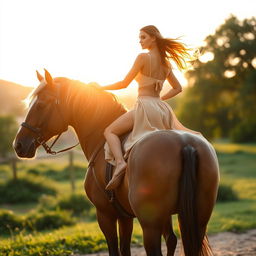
(106, 149)
(96, 40)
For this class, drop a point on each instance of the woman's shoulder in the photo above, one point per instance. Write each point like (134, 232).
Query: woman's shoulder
(143, 55)
(142, 58)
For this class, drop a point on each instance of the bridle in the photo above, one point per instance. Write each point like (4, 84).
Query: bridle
(39, 131)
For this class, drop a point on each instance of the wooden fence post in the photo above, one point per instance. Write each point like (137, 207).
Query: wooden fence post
(14, 168)
(72, 171)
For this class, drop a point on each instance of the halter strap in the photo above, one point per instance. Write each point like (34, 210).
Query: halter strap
(38, 130)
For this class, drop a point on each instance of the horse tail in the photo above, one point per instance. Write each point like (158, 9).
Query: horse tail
(194, 241)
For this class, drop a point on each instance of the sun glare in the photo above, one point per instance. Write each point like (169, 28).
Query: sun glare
(206, 57)
(95, 41)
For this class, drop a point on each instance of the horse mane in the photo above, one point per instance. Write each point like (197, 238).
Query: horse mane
(33, 94)
(90, 102)
(86, 101)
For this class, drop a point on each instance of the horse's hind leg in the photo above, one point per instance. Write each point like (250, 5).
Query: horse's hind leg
(152, 239)
(125, 234)
(108, 225)
(170, 238)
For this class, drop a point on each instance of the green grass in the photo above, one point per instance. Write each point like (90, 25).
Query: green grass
(81, 238)
(87, 237)
(237, 169)
(233, 216)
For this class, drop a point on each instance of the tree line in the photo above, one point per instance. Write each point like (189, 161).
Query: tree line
(220, 100)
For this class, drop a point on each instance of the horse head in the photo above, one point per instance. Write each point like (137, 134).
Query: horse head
(43, 120)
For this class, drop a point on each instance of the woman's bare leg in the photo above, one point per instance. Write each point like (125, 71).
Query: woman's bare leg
(121, 125)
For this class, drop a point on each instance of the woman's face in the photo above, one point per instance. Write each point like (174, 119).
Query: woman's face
(146, 40)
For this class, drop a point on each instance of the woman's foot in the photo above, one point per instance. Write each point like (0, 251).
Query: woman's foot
(117, 177)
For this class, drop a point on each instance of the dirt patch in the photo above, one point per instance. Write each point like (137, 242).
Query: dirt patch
(223, 244)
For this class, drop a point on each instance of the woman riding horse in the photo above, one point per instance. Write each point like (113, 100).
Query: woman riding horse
(150, 113)
(170, 169)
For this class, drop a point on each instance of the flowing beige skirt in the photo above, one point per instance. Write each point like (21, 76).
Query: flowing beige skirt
(151, 114)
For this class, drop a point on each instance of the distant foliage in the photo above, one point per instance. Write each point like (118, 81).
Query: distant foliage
(49, 220)
(220, 99)
(59, 175)
(25, 190)
(78, 204)
(244, 132)
(9, 222)
(8, 129)
(226, 194)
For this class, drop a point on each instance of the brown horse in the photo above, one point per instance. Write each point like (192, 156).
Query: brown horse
(169, 172)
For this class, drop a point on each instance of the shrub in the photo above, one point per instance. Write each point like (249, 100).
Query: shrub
(226, 193)
(59, 175)
(47, 202)
(49, 220)
(9, 222)
(26, 189)
(78, 204)
(244, 132)
(33, 171)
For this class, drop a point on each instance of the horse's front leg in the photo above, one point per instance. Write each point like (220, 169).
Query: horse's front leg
(108, 225)
(125, 233)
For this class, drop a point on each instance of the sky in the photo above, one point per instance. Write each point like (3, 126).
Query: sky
(97, 40)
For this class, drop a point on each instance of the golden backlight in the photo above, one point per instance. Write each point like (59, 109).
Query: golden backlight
(97, 41)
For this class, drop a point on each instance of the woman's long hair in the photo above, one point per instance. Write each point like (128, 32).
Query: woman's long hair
(170, 48)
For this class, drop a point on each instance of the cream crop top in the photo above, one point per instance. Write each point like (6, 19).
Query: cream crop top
(144, 80)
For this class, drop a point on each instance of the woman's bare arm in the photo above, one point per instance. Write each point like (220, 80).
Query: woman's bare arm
(137, 66)
(176, 87)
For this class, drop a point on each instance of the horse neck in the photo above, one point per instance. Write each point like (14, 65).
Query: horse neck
(90, 139)
(90, 133)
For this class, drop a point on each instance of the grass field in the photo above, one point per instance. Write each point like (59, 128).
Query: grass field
(238, 169)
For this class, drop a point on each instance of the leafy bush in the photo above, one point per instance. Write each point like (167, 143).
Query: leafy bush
(78, 204)
(79, 173)
(9, 222)
(33, 171)
(244, 132)
(26, 189)
(75, 202)
(49, 220)
(226, 193)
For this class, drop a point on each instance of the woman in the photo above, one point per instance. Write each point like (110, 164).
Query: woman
(150, 113)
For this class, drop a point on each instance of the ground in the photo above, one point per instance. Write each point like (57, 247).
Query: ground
(223, 244)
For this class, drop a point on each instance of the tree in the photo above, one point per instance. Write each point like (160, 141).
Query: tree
(8, 129)
(222, 91)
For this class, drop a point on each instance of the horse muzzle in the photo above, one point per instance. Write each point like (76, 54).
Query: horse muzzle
(25, 148)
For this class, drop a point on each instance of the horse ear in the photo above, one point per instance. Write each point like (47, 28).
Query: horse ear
(48, 78)
(39, 76)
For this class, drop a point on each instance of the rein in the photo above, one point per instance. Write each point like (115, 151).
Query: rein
(39, 135)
